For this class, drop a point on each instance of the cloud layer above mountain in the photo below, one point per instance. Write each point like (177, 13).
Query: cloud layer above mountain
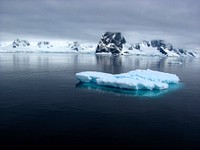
(176, 21)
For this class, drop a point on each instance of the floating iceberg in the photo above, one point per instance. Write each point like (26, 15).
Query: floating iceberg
(133, 80)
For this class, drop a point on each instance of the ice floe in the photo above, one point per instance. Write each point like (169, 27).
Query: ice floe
(133, 80)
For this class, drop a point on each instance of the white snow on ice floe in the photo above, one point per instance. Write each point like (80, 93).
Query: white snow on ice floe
(133, 80)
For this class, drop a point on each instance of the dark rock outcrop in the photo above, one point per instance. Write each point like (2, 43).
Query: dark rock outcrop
(157, 43)
(75, 46)
(111, 42)
(45, 44)
(137, 46)
(161, 45)
(19, 42)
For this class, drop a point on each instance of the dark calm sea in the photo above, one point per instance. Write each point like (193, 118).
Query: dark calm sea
(42, 104)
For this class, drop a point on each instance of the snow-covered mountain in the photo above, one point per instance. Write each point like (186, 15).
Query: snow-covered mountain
(111, 42)
(16, 46)
(20, 43)
(156, 48)
(147, 48)
(48, 47)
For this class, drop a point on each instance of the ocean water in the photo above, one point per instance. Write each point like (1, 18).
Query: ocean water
(42, 104)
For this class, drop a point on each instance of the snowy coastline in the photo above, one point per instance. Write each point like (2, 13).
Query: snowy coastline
(143, 48)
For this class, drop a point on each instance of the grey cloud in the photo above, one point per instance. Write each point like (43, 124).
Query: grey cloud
(176, 21)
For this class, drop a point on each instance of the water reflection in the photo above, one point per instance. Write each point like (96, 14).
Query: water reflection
(120, 64)
(104, 63)
(124, 92)
(109, 63)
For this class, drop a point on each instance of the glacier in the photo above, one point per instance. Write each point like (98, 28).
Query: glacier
(132, 80)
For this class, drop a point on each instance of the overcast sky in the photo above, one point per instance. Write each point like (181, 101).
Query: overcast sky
(176, 21)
